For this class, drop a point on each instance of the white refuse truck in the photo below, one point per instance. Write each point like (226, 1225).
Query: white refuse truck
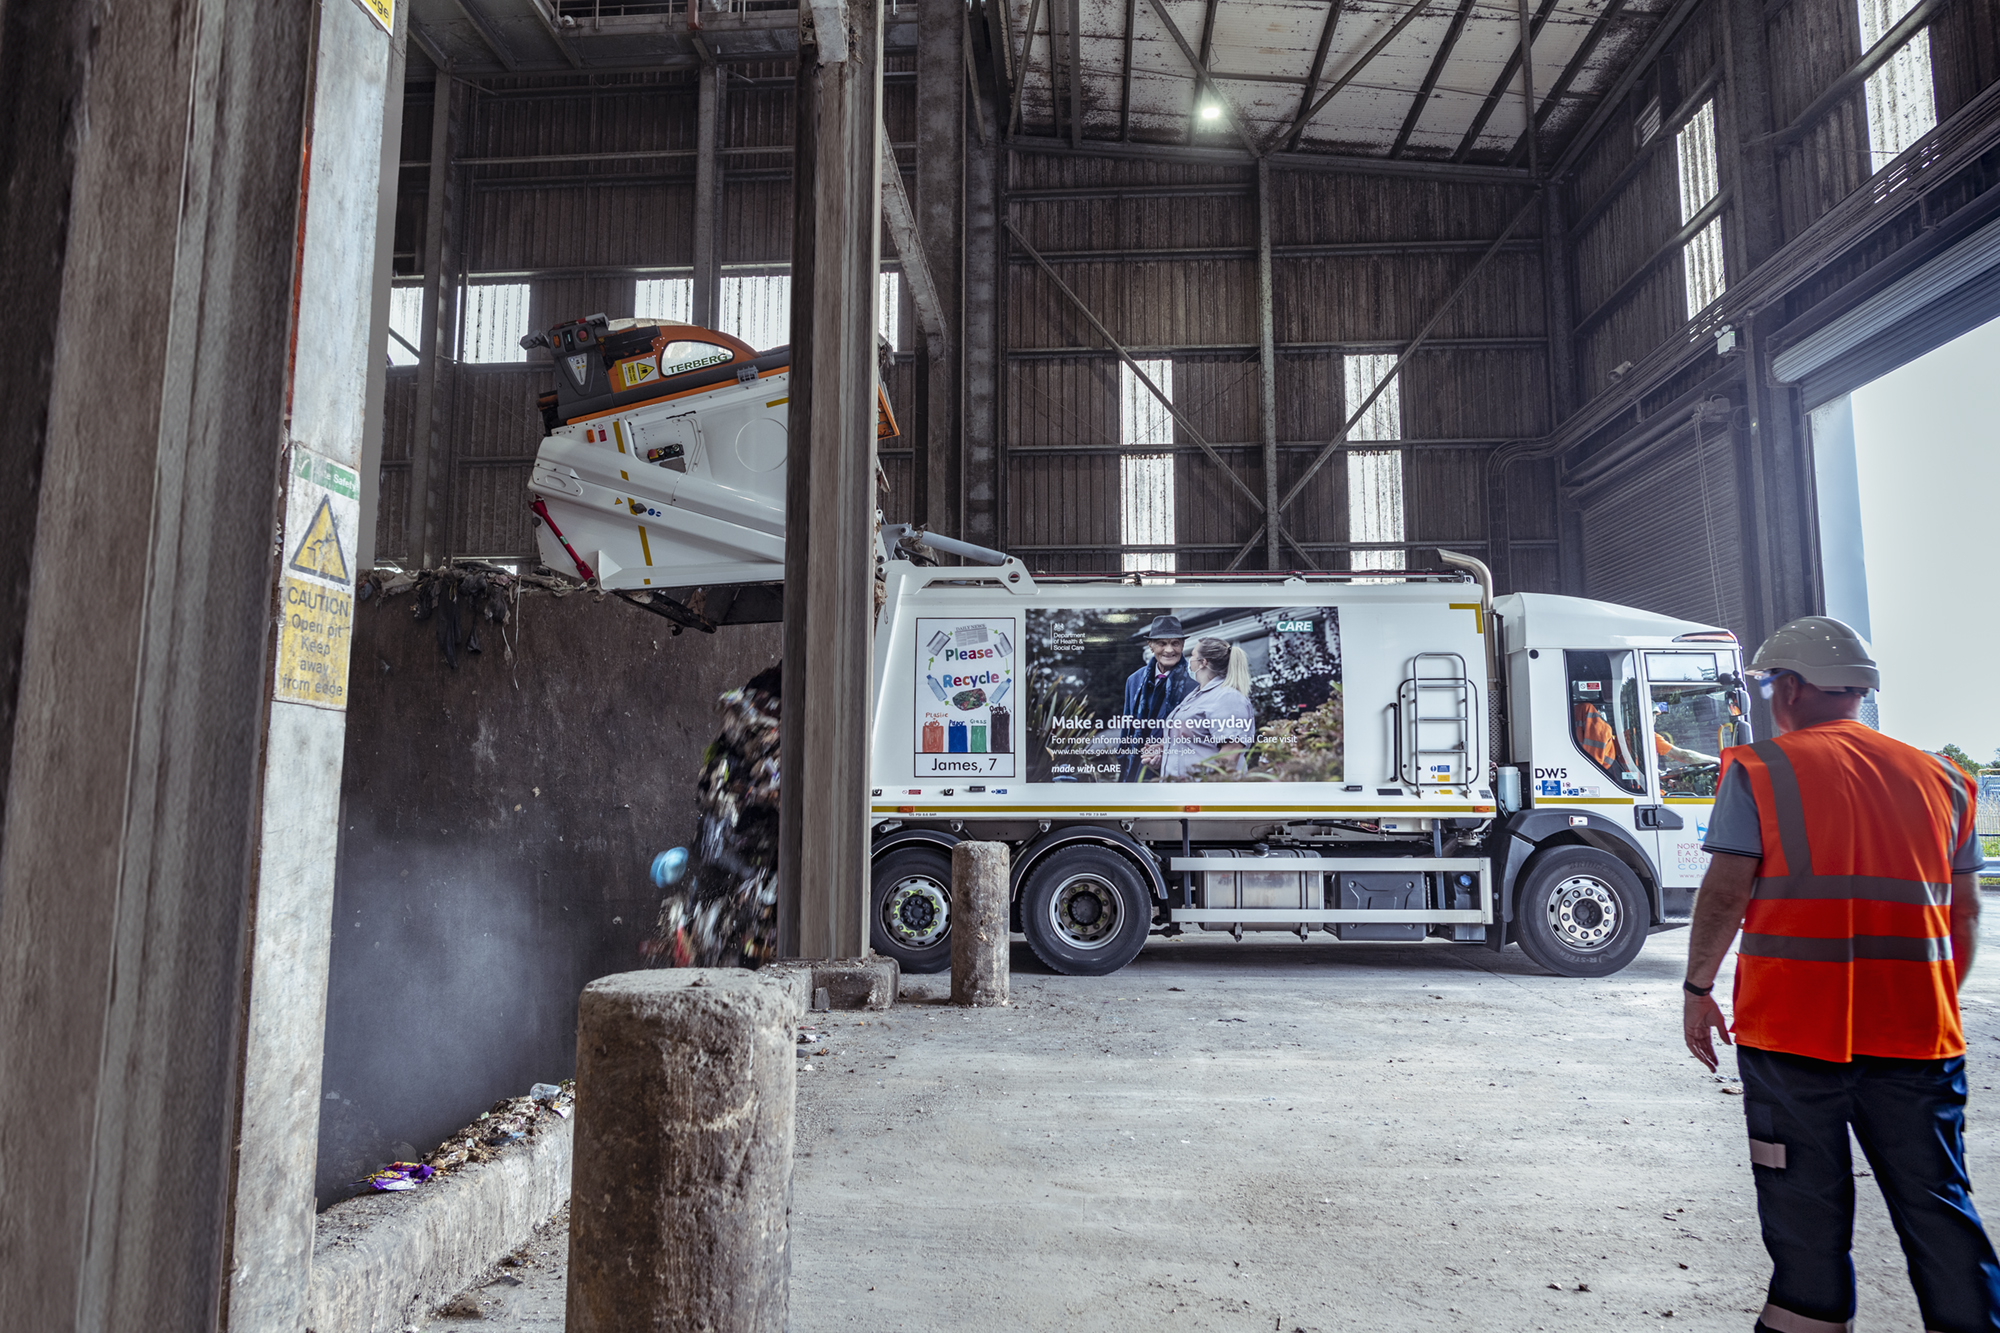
(1388, 757)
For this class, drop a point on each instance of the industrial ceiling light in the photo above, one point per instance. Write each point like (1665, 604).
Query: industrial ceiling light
(1210, 109)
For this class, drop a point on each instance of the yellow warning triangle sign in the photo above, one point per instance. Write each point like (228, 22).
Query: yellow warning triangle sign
(319, 550)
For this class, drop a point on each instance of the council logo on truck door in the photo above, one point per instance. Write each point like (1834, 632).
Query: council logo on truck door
(965, 696)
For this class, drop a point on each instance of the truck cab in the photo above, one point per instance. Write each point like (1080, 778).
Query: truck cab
(1617, 719)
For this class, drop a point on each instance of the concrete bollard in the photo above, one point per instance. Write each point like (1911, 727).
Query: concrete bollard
(682, 1176)
(979, 923)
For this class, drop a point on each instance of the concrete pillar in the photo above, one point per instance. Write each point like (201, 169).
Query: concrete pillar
(830, 492)
(385, 267)
(270, 1258)
(685, 1085)
(979, 936)
(149, 180)
(707, 284)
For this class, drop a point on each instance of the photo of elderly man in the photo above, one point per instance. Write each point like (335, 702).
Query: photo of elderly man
(1151, 693)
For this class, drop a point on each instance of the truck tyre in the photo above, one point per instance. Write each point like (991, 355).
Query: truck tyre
(1581, 912)
(1085, 910)
(909, 907)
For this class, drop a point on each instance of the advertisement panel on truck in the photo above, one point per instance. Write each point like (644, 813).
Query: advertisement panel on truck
(1189, 694)
(965, 706)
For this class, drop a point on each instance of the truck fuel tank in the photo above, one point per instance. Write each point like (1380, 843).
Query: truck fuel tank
(1264, 889)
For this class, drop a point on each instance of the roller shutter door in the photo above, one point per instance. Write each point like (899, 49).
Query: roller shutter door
(1648, 541)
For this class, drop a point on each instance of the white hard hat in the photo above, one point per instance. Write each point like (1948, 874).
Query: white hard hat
(1826, 653)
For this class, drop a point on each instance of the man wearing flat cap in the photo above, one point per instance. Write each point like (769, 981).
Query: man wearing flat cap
(1153, 691)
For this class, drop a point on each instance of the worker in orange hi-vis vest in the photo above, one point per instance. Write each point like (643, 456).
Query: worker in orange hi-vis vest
(1595, 735)
(1849, 862)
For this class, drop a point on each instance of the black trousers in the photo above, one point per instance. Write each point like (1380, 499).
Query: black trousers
(1909, 1116)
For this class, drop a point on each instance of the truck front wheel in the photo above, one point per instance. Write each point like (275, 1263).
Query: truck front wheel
(1581, 912)
(909, 901)
(1085, 911)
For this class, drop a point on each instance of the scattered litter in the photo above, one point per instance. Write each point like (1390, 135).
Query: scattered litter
(722, 906)
(401, 1176)
(1732, 1092)
(510, 1120)
(807, 1036)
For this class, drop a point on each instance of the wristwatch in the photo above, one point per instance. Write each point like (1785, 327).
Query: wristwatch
(1693, 989)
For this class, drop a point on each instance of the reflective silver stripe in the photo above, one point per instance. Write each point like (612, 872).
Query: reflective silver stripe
(1960, 800)
(1847, 949)
(1767, 1154)
(1867, 888)
(1790, 812)
(1778, 1318)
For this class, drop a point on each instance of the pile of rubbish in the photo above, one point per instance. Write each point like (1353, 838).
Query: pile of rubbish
(512, 1120)
(721, 908)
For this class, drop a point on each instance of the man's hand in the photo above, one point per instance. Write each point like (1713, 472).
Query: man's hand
(1701, 1016)
(1718, 911)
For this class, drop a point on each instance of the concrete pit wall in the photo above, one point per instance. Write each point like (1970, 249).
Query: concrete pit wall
(497, 825)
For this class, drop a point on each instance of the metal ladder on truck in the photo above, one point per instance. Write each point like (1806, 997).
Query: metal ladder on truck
(1424, 757)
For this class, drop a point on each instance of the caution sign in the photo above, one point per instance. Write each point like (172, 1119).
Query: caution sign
(639, 370)
(316, 592)
(319, 551)
(312, 645)
(382, 11)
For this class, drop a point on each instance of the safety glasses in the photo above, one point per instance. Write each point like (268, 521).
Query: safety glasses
(1766, 681)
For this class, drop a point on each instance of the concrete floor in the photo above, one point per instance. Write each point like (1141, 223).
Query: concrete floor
(1271, 1135)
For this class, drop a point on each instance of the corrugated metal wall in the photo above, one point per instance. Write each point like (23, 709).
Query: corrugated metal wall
(1629, 302)
(1165, 255)
(580, 232)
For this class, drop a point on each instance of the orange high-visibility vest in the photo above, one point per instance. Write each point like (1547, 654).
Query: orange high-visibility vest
(1595, 736)
(1847, 942)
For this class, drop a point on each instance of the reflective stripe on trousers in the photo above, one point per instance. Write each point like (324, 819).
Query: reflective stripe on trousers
(1909, 1117)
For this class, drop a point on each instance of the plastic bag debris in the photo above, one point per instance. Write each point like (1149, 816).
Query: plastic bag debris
(722, 909)
(545, 1092)
(401, 1176)
(669, 866)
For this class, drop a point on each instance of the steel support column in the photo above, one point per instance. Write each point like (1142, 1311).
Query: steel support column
(707, 196)
(1778, 518)
(1267, 364)
(980, 485)
(830, 492)
(437, 352)
(939, 206)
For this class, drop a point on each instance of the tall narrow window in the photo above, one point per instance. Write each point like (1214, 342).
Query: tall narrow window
(757, 308)
(493, 316)
(1146, 480)
(669, 299)
(1374, 476)
(1902, 102)
(406, 322)
(889, 310)
(1701, 257)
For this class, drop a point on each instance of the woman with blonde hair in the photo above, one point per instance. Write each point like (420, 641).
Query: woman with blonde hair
(1238, 676)
(1217, 721)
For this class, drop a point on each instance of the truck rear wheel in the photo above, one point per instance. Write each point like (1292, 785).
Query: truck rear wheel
(1085, 911)
(1581, 912)
(909, 902)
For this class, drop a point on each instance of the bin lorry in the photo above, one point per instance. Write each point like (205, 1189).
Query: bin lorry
(1388, 756)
